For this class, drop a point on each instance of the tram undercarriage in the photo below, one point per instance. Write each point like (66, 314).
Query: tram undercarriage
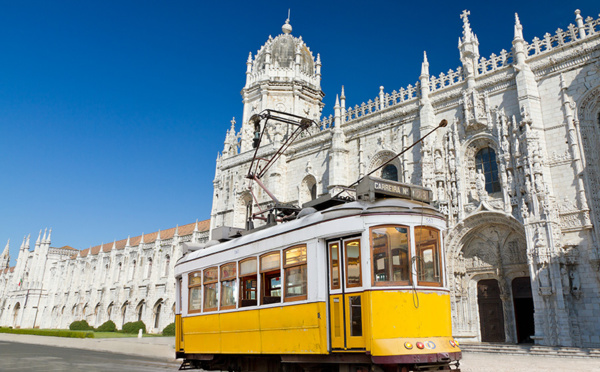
(318, 363)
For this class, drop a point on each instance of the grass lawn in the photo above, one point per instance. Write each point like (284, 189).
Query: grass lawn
(77, 334)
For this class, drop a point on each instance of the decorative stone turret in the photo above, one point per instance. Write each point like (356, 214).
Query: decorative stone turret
(283, 76)
(469, 50)
(5, 257)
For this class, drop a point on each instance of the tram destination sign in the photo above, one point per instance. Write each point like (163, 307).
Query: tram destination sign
(370, 187)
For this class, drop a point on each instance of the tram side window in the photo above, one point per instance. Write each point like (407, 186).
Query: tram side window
(248, 282)
(211, 278)
(195, 292)
(228, 286)
(294, 264)
(391, 257)
(427, 242)
(270, 269)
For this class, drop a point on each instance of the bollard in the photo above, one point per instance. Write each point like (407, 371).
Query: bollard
(140, 333)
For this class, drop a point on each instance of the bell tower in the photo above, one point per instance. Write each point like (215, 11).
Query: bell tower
(284, 76)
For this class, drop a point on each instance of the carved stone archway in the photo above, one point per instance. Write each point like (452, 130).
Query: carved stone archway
(485, 246)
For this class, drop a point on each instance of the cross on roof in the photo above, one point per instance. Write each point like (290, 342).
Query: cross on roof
(464, 15)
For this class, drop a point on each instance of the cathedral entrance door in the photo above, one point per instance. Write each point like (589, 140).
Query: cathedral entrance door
(523, 301)
(491, 316)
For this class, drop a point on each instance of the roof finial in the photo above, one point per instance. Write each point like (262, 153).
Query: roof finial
(518, 28)
(287, 28)
(425, 65)
(467, 33)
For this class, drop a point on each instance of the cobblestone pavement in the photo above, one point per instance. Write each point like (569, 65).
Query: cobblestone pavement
(483, 362)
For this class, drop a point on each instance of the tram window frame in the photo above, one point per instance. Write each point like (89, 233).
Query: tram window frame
(433, 245)
(388, 249)
(195, 286)
(231, 278)
(347, 266)
(251, 278)
(334, 269)
(266, 276)
(288, 269)
(212, 283)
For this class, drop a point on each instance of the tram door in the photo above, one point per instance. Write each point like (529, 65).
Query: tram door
(345, 294)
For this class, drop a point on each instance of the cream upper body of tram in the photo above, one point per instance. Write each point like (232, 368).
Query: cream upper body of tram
(362, 281)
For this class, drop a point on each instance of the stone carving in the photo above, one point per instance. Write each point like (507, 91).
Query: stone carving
(480, 185)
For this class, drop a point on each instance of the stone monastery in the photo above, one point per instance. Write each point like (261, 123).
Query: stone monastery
(124, 281)
(516, 171)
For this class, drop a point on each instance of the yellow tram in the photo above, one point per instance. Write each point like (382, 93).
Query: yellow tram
(345, 286)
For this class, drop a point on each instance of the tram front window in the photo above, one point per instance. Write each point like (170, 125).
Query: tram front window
(427, 244)
(389, 246)
(270, 268)
(248, 281)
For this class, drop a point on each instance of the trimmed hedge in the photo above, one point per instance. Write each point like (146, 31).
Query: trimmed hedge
(169, 330)
(80, 325)
(49, 332)
(108, 326)
(134, 327)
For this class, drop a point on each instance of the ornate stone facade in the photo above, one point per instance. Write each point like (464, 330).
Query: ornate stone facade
(516, 171)
(123, 281)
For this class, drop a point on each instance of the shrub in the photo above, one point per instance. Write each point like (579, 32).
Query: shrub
(80, 325)
(134, 327)
(169, 330)
(108, 326)
(48, 332)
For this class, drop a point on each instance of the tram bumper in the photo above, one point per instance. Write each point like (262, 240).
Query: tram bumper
(443, 357)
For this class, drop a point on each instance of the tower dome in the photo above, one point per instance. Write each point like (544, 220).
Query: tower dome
(283, 76)
(285, 52)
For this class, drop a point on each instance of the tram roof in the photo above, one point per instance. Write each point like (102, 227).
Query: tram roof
(384, 205)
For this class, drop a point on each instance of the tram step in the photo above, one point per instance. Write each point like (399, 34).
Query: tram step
(498, 348)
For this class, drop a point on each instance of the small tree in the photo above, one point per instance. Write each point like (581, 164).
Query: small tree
(80, 325)
(134, 327)
(108, 326)
(169, 330)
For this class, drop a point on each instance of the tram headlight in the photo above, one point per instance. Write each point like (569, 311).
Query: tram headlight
(452, 343)
(408, 345)
(420, 345)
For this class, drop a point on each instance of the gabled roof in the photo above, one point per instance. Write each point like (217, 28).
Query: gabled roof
(148, 238)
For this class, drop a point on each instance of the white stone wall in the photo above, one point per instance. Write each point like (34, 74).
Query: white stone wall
(62, 285)
(536, 106)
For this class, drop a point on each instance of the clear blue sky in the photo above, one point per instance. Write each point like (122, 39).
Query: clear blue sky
(112, 112)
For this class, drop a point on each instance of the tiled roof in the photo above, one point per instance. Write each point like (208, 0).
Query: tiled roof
(148, 238)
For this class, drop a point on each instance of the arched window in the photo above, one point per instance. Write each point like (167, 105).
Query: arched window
(140, 310)
(390, 172)
(486, 161)
(109, 310)
(157, 309)
(149, 273)
(124, 313)
(167, 264)
(313, 192)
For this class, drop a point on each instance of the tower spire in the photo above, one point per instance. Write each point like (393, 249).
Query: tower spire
(5, 258)
(518, 28)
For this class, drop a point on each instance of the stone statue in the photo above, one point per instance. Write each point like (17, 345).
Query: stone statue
(480, 185)
(574, 279)
(438, 162)
(510, 183)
